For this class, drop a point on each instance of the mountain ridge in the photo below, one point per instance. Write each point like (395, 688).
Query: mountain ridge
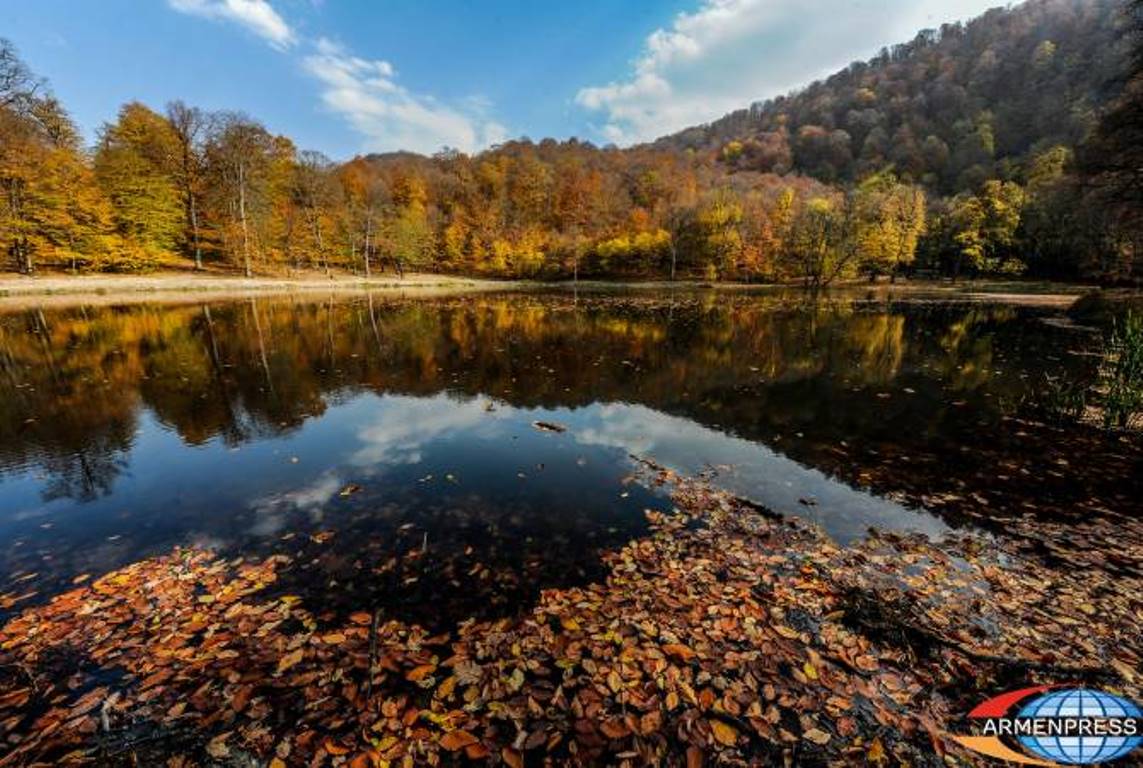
(1031, 75)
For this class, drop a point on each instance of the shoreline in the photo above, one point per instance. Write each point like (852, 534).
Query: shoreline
(18, 291)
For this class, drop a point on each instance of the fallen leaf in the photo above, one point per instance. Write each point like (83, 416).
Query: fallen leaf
(724, 733)
(457, 740)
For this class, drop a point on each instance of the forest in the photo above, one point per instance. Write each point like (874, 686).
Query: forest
(1003, 146)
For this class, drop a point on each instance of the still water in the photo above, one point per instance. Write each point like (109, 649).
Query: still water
(351, 430)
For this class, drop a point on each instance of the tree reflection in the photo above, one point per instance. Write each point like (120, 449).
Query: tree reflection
(804, 375)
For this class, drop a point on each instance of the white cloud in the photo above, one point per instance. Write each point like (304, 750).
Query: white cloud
(270, 512)
(366, 93)
(403, 425)
(729, 53)
(257, 16)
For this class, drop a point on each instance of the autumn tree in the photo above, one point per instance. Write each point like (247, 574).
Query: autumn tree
(239, 155)
(136, 163)
(315, 194)
(189, 124)
(890, 221)
(50, 206)
(410, 238)
(1113, 160)
(366, 197)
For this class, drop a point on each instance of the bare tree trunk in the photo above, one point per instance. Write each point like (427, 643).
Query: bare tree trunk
(242, 217)
(315, 222)
(368, 232)
(194, 231)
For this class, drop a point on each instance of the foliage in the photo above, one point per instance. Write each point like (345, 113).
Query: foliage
(1113, 159)
(135, 166)
(949, 109)
(1121, 375)
(955, 153)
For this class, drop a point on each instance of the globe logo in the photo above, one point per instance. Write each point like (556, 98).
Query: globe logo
(1048, 725)
(1080, 704)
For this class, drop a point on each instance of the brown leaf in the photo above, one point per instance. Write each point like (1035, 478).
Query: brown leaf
(679, 652)
(457, 740)
(333, 748)
(476, 751)
(614, 728)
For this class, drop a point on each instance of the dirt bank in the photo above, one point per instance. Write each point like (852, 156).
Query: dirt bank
(18, 292)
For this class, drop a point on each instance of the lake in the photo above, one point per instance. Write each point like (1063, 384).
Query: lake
(504, 434)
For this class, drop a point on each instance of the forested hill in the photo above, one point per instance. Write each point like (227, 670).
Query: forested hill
(951, 108)
(971, 150)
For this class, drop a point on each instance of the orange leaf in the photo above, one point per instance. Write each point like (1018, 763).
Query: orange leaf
(364, 760)
(679, 652)
(614, 729)
(333, 748)
(724, 734)
(456, 740)
(476, 751)
(416, 674)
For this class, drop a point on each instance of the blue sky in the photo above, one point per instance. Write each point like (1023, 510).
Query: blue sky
(349, 77)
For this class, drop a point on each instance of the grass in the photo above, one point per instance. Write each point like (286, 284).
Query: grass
(1121, 373)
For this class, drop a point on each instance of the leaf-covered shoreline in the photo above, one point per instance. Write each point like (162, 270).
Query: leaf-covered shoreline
(725, 637)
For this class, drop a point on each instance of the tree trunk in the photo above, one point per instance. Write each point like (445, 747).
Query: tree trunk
(194, 231)
(262, 346)
(317, 238)
(242, 217)
(365, 253)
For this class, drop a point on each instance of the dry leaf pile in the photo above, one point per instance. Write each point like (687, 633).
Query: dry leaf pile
(725, 637)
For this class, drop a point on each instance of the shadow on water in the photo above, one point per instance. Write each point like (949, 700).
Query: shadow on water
(348, 433)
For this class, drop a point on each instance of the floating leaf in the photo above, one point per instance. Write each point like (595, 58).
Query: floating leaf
(724, 733)
(457, 740)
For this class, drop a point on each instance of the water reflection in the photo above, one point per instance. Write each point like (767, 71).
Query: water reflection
(126, 430)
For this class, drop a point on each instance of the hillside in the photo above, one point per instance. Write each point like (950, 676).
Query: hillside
(953, 154)
(951, 108)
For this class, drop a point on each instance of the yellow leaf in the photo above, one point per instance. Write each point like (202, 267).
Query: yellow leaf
(786, 632)
(723, 733)
(290, 660)
(444, 690)
(876, 753)
(816, 736)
